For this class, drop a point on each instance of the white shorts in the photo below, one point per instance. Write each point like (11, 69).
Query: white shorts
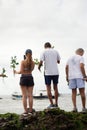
(76, 83)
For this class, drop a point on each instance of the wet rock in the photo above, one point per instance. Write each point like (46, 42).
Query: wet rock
(52, 119)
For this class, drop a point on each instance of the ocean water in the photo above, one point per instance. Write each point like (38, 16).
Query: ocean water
(11, 84)
(7, 104)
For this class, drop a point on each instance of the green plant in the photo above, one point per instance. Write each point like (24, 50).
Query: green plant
(13, 62)
(36, 61)
(3, 73)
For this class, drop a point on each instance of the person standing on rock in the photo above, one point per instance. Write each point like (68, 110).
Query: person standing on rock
(51, 58)
(27, 81)
(76, 76)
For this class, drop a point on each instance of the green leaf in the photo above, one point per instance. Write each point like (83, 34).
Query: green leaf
(3, 73)
(14, 62)
(36, 61)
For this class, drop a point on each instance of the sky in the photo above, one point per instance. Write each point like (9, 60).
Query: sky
(30, 23)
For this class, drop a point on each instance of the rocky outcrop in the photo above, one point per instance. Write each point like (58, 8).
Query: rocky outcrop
(49, 119)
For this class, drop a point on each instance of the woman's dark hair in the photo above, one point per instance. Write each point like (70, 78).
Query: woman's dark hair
(24, 57)
(47, 44)
(29, 61)
(28, 51)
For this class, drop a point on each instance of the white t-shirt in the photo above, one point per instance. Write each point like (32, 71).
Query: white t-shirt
(74, 66)
(50, 58)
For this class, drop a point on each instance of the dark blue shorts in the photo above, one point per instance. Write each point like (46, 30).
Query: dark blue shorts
(49, 78)
(26, 80)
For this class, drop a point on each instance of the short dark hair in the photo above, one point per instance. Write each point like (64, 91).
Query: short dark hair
(47, 44)
(80, 50)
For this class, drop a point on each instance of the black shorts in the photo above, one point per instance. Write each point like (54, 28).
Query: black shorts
(26, 80)
(49, 78)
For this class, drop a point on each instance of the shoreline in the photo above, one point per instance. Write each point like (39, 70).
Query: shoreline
(7, 104)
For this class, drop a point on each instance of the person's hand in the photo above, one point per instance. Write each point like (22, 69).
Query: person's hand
(39, 65)
(85, 78)
(39, 68)
(14, 71)
(67, 79)
(3, 75)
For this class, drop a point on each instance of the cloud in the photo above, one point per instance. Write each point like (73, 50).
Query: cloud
(30, 23)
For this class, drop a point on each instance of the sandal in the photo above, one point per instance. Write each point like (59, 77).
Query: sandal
(25, 114)
(75, 110)
(30, 113)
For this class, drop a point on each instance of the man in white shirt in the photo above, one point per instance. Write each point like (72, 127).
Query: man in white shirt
(50, 57)
(75, 75)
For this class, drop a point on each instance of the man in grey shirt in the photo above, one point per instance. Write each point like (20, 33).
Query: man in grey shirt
(50, 57)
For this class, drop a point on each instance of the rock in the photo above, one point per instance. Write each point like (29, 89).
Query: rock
(49, 119)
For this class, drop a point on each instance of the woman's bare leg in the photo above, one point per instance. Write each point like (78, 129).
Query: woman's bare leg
(30, 98)
(24, 97)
